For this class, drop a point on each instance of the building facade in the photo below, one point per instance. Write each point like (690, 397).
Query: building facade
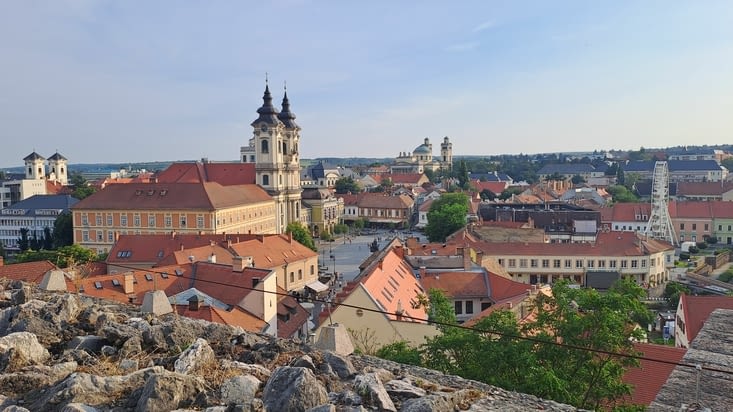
(35, 214)
(421, 159)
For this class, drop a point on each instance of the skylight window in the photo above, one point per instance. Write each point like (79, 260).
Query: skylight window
(179, 272)
(115, 282)
(98, 285)
(164, 275)
(148, 277)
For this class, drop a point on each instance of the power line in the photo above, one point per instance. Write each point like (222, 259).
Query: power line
(439, 323)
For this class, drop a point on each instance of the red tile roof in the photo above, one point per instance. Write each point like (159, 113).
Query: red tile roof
(457, 285)
(269, 251)
(379, 200)
(31, 272)
(175, 196)
(288, 307)
(503, 288)
(152, 248)
(649, 377)
(224, 173)
(494, 187)
(628, 212)
(697, 309)
(690, 209)
(703, 188)
(234, 317)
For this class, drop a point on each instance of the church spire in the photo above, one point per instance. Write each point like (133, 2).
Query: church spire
(268, 112)
(286, 116)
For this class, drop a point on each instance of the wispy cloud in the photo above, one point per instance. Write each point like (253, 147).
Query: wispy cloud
(484, 26)
(462, 47)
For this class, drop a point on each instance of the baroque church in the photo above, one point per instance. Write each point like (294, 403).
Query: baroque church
(274, 150)
(421, 159)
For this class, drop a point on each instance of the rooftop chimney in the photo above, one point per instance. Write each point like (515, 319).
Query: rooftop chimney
(212, 258)
(194, 302)
(422, 272)
(128, 283)
(466, 259)
(238, 264)
(173, 234)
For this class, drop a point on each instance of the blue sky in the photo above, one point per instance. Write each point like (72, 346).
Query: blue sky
(128, 81)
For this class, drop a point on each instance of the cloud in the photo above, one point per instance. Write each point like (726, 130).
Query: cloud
(484, 26)
(462, 47)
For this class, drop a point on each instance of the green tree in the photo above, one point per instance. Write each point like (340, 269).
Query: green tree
(2, 251)
(81, 186)
(462, 175)
(620, 177)
(340, 229)
(400, 352)
(386, 185)
(359, 224)
(508, 193)
(63, 230)
(447, 214)
(672, 292)
(577, 179)
(621, 194)
(24, 242)
(63, 257)
(47, 238)
(301, 234)
(347, 185)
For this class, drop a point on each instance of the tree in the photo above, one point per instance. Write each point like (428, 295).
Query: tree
(2, 250)
(621, 194)
(301, 234)
(447, 214)
(81, 186)
(577, 179)
(386, 185)
(400, 352)
(570, 357)
(673, 291)
(24, 241)
(508, 193)
(47, 238)
(63, 257)
(340, 229)
(347, 185)
(487, 194)
(462, 175)
(359, 224)
(63, 230)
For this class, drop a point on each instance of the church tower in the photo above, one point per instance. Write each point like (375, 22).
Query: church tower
(277, 158)
(35, 167)
(58, 170)
(446, 154)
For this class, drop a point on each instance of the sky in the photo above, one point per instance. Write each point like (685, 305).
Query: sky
(135, 81)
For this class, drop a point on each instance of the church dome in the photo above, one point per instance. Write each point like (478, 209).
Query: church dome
(422, 149)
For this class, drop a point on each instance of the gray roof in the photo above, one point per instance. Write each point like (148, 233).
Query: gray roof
(491, 177)
(421, 149)
(52, 202)
(57, 156)
(566, 168)
(34, 156)
(286, 116)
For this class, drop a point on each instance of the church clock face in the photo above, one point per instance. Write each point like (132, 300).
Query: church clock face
(263, 128)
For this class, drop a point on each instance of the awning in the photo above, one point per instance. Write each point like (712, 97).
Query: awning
(317, 286)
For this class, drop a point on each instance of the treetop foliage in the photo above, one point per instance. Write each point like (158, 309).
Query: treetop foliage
(447, 214)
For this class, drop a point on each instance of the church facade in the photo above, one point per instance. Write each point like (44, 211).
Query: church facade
(422, 159)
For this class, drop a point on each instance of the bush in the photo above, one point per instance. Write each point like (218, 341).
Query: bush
(711, 240)
(701, 245)
(400, 352)
(726, 276)
(694, 249)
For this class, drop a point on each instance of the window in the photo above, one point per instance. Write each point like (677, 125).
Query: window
(545, 263)
(200, 221)
(168, 221)
(568, 263)
(459, 307)
(682, 226)
(579, 263)
(634, 263)
(265, 180)
(612, 264)
(707, 227)
(98, 220)
(300, 274)
(469, 307)
(182, 221)
(265, 146)
(533, 263)
(556, 263)
(522, 263)
(501, 262)
(292, 277)
(694, 226)
(591, 263)
(109, 219)
(85, 236)
(313, 270)
(151, 220)
(624, 264)
(100, 236)
(601, 264)
(720, 228)
(136, 220)
(123, 220)
(110, 236)
(512, 263)
(84, 219)
(643, 263)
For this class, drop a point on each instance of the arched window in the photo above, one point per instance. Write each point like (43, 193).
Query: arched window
(265, 147)
(265, 180)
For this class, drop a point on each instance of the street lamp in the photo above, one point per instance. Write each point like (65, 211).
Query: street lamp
(333, 258)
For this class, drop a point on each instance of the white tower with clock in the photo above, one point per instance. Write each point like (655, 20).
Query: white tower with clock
(277, 158)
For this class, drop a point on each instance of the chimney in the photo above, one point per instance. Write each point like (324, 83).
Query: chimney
(510, 305)
(466, 260)
(238, 264)
(181, 247)
(400, 251)
(229, 243)
(173, 234)
(422, 272)
(2, 261)
(261, 238)
(128, 283)
(290, 237)
(212, 258)
(380, 263)
(194, 303)
(117, 236)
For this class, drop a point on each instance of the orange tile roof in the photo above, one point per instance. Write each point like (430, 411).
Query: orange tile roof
(221, 282)
(690, 209)
(224, 173)
(425, 206)
(111, 286)
(391, 283)
(405, 178)
(629, 211)
(175, 196)
(234, 317)
(607, 244)
(503, 288)
(703, 188)
(649, 377)
(152, 248)
(269, 251)
(494, 187)
(379, 200)
(722, 210)
(697, 309)
(457, 285)
(298, 316)
(31, 272)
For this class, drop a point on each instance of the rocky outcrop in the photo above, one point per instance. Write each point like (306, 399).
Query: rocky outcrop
(66, 352)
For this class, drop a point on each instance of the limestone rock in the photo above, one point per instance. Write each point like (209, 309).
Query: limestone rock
(341, 365)
(195, 357)
(293, 389)
(78, 407)
(239, 389)
(258, 371)
(372, 391)
(89, 343)
(305, 361)
(20, 349)
(167, 391)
